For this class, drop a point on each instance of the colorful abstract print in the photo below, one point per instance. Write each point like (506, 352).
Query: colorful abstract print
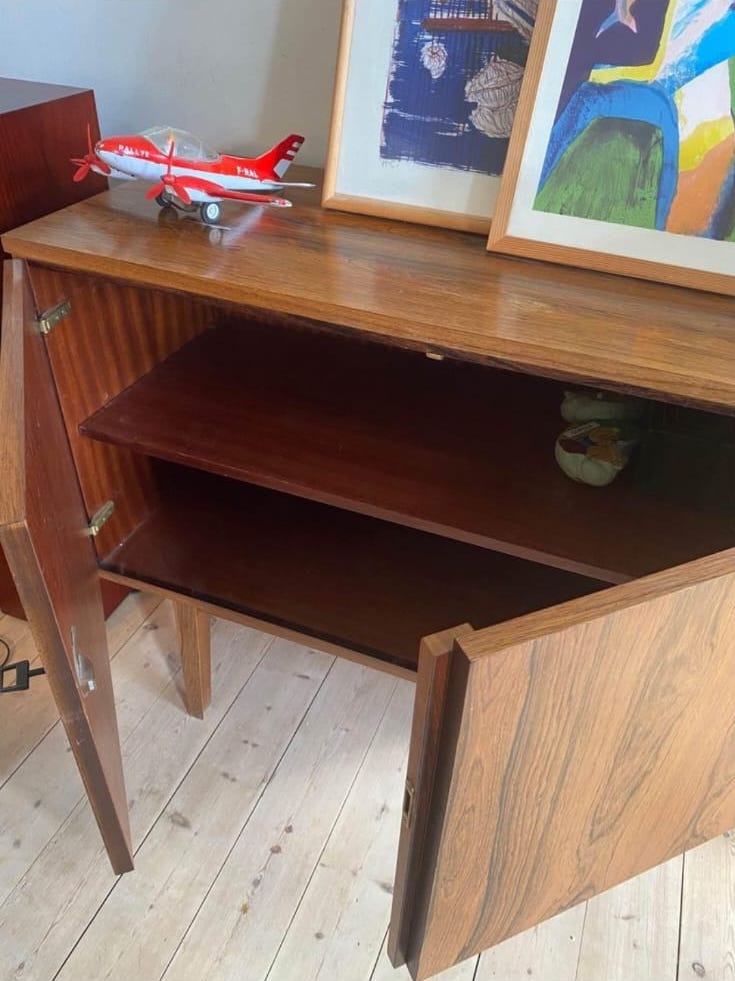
(644, 133)
(455, 77)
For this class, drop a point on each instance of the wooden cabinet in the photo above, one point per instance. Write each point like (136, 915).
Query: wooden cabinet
(41, 127)
(341, 430)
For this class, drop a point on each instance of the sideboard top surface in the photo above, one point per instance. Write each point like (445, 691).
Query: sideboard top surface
(16, 93)
(417, 287)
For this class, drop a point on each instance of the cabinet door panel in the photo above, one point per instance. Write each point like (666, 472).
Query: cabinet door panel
(579, 746)
(43, 533)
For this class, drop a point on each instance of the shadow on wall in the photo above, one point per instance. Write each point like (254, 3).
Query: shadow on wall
(305, 44)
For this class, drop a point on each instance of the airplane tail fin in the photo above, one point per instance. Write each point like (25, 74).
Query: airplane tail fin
(280, 158)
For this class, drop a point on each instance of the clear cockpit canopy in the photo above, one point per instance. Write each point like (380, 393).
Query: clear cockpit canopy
(186, 145)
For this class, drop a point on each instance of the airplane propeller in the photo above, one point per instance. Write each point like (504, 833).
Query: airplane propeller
(170, 181)
(88, 161)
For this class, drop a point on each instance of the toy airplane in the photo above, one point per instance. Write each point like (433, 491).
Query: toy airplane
(189, 176)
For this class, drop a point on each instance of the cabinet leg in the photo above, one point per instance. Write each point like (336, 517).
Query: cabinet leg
(193, 629)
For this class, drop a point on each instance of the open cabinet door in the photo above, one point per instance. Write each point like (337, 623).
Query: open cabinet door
(43, 530)
(562, 753)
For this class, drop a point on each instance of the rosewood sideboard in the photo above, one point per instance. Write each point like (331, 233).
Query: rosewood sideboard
(340, 430)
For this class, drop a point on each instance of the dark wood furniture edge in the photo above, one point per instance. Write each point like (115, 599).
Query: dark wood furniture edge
(457, 669)
(18, 546)
(610, 600)
(12, 456)
(426, 728)
(275, 630)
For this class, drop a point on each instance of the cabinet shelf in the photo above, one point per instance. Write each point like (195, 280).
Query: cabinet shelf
(457, 449)
(367, 585)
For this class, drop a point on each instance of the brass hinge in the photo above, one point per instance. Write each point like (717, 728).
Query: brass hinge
(100, 517)
(48, 320)
(408, 799)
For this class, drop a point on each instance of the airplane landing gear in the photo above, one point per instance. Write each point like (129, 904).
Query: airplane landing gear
(210, 212)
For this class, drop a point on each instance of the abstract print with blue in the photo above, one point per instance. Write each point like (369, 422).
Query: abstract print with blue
(644, 133)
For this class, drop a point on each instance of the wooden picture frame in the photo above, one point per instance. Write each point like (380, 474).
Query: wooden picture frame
(370, 169)
(523, 228)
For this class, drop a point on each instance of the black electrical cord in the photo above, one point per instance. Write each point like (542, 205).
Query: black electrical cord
(6, 645)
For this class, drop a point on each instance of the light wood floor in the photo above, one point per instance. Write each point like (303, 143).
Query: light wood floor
(265, 836)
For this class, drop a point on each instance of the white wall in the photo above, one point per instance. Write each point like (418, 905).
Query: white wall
(239, 73)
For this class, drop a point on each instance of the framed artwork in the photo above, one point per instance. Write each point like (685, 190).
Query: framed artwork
(424, 103)
(623, 156)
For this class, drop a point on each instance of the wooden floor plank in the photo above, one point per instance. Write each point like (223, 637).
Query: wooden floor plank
(339, 927)
(50, 908)
(147, 913)
(632, 931)
(290, 875)
(707, 947)
(548, 952)
(25, 718)
(39, 797)
(248, 910)
(41, 794)
(12, 631)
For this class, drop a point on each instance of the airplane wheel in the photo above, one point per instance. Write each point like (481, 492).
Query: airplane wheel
(210, 212)
(164, 201)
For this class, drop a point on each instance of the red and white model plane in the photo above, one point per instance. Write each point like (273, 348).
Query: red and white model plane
(187, 174)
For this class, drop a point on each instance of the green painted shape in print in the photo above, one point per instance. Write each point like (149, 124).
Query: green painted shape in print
(611, 172)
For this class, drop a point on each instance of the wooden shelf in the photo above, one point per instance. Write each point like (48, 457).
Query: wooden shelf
(455, 449)
(364, 584)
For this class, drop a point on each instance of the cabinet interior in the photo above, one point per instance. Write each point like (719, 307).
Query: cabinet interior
(361, 583)
(368, 495)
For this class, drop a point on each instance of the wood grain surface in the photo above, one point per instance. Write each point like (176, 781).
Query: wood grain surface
(364, 584)
(41, 128)
(194, 643)
(9, 599)
(576, 754)
(455, 449)
(42, 529)
(428, 289)
(428, 710)
(113, 335)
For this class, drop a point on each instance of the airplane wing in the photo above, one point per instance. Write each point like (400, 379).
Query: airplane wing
(218, 191)
(252, 198)
(278, 184)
